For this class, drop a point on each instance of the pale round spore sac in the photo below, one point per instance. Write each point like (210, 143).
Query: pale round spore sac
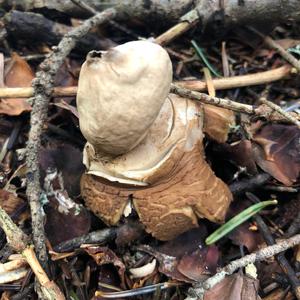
(120, 94)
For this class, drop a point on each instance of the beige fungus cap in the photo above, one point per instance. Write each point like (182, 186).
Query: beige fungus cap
(120, 93)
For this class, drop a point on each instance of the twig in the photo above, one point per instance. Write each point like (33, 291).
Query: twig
(43, 88)
(286, 189)
(27, 92)
(196, 85)
(22, 294)
(279, 110)
(93, 12)
(98, 237)
(249, 184)
(199, 289)
(225, 103)
(274, 45)
(20, 242)
(295, 226)
(238, 81)
(188, 21)
(282, 261)
(13, 275)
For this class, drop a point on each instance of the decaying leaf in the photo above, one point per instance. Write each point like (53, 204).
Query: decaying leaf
(17, 74)
(277, 151)
(59, 176)
(62, 211)
(67, 160)
(243, 236)
(200, 263)
(128, 233)
(104, 256)
(186, 242)
(234, 287)
(167, 264)
(186, 258)
(217, 122)
(240, 154)
(10, 202)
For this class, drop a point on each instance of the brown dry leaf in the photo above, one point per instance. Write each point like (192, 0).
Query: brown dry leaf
(200, 263)
(186, 242)
(217, 122)
(66, 159)
(194, 260)
(167, 264)
(104, 256)
(61, 168)
(288, 43)
(10, 202)
(240, 154)
(243, 236)
(17, 74)
(6, 295)
(63, 104)
(68, 73)
(186, 258)
(62, 212)
(234, 287)
(128, 233)
(277, 151)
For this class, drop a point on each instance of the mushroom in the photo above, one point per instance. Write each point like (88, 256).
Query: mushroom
(144, 145)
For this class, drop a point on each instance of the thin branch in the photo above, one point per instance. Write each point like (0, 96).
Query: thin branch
(196, 85)
(274, 45)
(260, 111)
(225, 103)
(20, 242)
(279, 110)
(281, 259)
(43, 88)
(188, 21)
(238, 81)
(197, 292)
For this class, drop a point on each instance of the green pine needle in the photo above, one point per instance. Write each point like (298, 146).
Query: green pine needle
(201, 55)
(238, 220)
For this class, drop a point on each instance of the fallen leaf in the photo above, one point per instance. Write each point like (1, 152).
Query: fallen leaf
(13, 107)
(63, 104)
(186, 242)
(66, 159)
(17, 74)
(288, 43)
(61, 169)
(240, 154)
(200, 263)
(128, 233)
(186, 258)
(104, 256)
(109, 277)
(62, 211)
(10, 202)
(68, 73)
(277, 151)
(167, 264)
(234, 287)
(243, 236)
(217, 122)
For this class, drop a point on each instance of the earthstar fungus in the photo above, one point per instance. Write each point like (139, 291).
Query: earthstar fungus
(144, 144)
